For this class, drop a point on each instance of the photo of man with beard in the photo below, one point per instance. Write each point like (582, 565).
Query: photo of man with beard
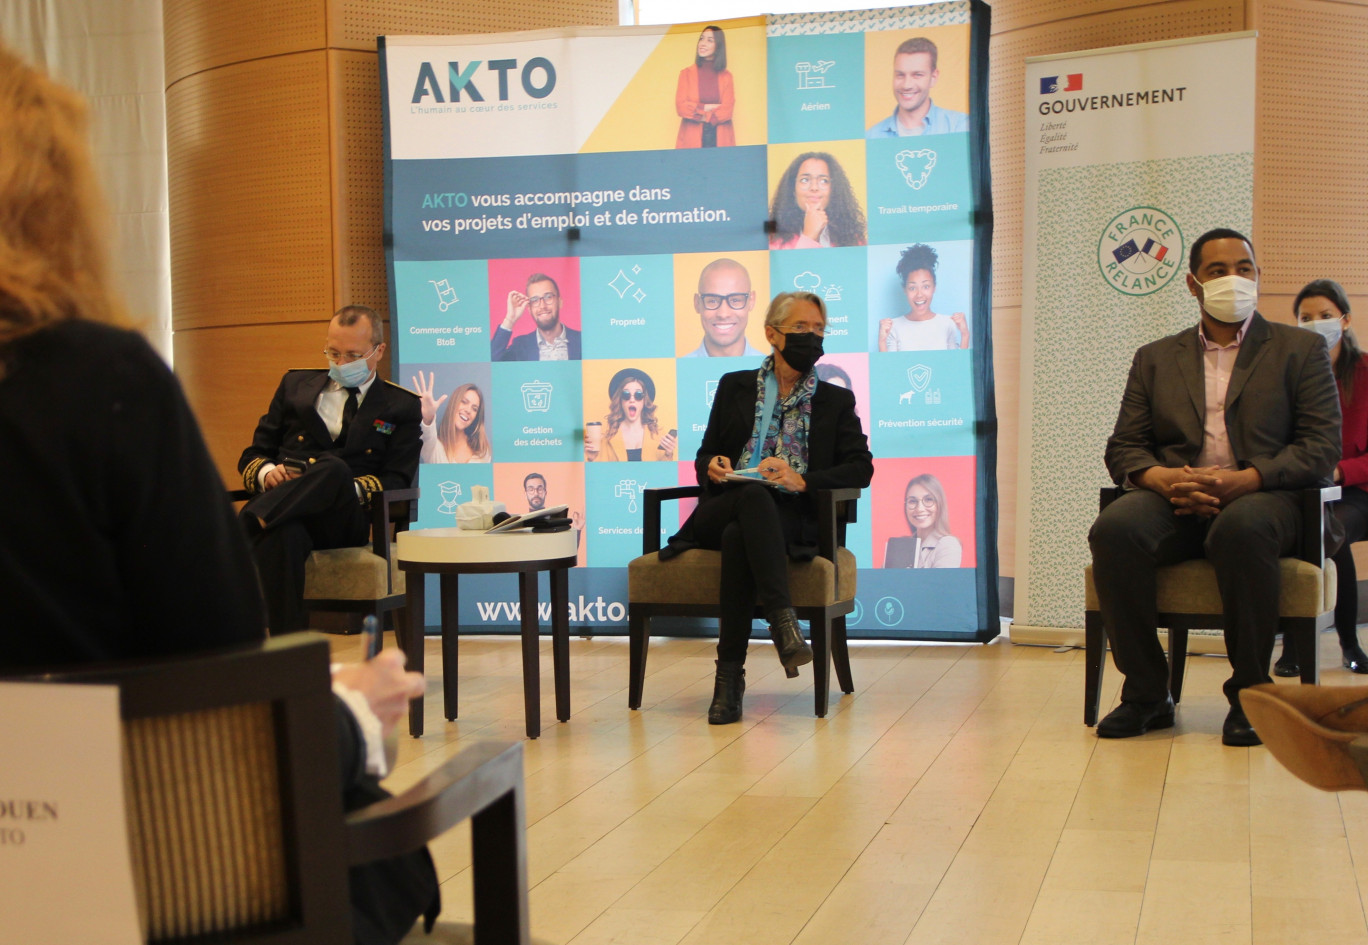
(552, 340)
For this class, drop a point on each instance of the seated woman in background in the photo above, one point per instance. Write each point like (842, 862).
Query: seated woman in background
(705, 96)
(461, 437)
(633, 433)
(930, 545)
(921, 329)
(800, 434)
(814, 205)
(124, 546)
(1322, 306)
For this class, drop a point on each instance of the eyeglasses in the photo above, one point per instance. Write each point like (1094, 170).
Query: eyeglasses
(337, 357)
(712, 302)
(928, 502)
(800, 329)
(535, 300)
(632, 394)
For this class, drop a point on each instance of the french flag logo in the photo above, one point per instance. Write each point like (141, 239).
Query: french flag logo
(1061, 83)
(1154, 250)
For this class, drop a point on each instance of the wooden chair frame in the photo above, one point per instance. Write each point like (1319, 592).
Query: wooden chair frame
(1314, 510)
(483, 783)
(835, 509)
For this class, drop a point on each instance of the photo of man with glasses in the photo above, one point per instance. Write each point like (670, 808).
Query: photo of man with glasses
(723, 302)
(551, 341)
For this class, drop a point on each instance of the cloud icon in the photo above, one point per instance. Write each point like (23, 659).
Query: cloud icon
(916, 166)
(807, 280)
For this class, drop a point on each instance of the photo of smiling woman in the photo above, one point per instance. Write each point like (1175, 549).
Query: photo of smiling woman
(814, 205)
(921, 329)
(461, 435)
(631, 432)
(705, 97)
(930, 544)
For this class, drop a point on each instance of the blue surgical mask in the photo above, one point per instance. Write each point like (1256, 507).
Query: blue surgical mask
(351, 374)
(1331, 328)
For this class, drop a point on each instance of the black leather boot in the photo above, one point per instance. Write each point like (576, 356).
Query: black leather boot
(728, 687)
(1287, 664)
(1355, 660)
(788, 640)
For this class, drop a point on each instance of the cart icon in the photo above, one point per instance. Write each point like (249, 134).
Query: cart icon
(446, 295)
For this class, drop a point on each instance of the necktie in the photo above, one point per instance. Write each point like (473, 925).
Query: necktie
(348, 415)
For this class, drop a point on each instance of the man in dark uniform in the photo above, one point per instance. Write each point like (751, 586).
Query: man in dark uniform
(330, 441)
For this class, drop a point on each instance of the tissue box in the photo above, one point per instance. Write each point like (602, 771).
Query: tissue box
(479, 512)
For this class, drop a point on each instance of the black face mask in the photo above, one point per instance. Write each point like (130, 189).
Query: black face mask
(802, 349)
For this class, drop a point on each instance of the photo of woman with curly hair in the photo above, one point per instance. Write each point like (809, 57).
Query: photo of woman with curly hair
(632, 432)
(705, 97)
(921, 329)
(814, 205)
(461, 437)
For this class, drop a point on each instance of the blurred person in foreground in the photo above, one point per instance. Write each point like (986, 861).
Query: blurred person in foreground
(118, 541)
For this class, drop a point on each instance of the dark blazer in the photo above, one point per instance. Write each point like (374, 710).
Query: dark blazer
(382, 446)
(838, 453)
(524, 347)
(1282, 409)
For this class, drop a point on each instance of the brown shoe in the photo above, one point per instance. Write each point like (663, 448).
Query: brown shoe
(1319, 733)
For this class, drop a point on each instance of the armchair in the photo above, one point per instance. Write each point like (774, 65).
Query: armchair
(822, 590)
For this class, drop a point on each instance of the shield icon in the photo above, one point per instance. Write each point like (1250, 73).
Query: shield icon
(919, 376)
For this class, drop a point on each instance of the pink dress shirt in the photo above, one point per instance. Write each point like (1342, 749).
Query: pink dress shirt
(1218, 363)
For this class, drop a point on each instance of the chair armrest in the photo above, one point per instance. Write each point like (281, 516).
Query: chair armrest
(830, 525)
(238, 495)
(391, 506)
(1107, 495)
(1315, 510)
(650, 512)
(460, 789)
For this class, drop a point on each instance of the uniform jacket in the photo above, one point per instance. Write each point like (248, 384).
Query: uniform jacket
(1282, 409)
(382, 446)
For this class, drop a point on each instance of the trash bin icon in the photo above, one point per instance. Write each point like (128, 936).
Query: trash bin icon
(536, 396)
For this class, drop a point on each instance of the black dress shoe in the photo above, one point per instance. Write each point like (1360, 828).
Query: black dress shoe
(1237, 732)
(1355, 660)
(1287, 665)
(1136, 718)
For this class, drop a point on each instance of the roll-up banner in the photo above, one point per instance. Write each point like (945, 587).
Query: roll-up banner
(1131, 154)
(579, 240)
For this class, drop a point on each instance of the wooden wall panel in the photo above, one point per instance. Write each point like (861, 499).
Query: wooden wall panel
(354, 24)
(206, 34)
(1310, 183)
(358, 180)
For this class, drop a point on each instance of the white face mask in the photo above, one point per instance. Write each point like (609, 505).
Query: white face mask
(1230, 298)
(1331, 328)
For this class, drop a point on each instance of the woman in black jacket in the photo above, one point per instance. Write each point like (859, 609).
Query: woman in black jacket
(790, 433)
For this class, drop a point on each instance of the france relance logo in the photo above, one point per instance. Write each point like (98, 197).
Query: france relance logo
(1140, 251)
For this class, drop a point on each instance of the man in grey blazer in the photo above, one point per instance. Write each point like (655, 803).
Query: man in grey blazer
(1219, 424)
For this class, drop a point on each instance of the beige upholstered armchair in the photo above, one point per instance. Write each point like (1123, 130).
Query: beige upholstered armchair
(1189, 599)
(822, 590)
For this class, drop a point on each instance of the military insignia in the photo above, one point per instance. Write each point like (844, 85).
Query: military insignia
(384, 427)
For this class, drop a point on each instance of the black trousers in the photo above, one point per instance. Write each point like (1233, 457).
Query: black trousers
(1352, 511)
(752, 526)
(1138, 533)
(316, 511)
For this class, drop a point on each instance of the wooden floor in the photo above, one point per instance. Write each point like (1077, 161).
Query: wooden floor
(956, 797)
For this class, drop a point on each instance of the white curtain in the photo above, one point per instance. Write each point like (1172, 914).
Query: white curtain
(111, 52)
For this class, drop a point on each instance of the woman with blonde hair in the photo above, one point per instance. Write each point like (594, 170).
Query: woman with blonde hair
(930, 545)
(633, 433)
(124, 545)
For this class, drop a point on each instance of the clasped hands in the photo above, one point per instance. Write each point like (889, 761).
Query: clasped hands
(1199, 490)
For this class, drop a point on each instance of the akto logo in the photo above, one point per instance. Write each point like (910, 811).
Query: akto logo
(1050, 84)
(538, 77)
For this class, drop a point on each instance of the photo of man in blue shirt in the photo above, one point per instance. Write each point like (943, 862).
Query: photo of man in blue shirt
(914, 76)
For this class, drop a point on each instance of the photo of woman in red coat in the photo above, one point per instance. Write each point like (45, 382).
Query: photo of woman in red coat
(705, 97)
